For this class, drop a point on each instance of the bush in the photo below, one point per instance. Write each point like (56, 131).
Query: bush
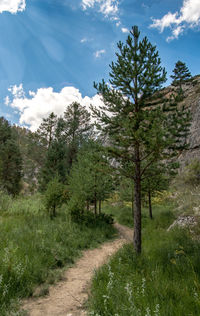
(191, 173)
(5, 201)
(90, 219)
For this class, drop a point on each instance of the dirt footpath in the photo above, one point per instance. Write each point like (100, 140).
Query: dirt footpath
(67, 297)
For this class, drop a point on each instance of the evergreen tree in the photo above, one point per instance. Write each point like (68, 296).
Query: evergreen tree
(10, 159)
(137, 129)
(77, 128)
(47, 129)
(155, 179)
(56, 158)
(181, 74)
(91, 178)
(54, 196)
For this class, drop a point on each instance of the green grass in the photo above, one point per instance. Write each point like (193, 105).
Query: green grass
(122, 214)
(164, 280)
(33, 248)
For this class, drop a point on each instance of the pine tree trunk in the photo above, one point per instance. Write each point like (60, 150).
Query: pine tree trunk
(95, 205)
(95, 195)
(150, 205)
(132, 200)
(137, 205)
(54, 211)
(99, 206)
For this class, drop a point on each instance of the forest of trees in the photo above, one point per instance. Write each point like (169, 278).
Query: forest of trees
(137, 135)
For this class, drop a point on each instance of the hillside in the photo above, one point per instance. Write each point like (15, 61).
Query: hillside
(192, 102)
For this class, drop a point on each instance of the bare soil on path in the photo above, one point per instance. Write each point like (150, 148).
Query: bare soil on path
(67, 297)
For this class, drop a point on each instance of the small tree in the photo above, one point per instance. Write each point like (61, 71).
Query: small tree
(156, 179)
(56, 158)
(54, 196)
(90, 179)
(181, 75)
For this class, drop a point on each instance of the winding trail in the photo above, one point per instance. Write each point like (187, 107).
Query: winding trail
(67, 297)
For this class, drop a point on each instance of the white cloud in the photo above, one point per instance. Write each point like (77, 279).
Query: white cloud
(84, 40)
(187, 17)
(106, 7)
(7, 100)
(124, 30)
(98, 53)
(12, 6)
(40, 104)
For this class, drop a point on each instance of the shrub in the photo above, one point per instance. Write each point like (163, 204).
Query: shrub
(90, 219)
(191, 173)
(5, 201)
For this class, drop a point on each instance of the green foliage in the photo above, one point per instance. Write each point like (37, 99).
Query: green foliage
(53, 196)
(138, 125)
(164, 280)
(64, 137)
(121, 213)
(181, 74)
(10, 160)
(33, 150)
(126, 188)
(78, 128)
(191, 173)
(33, 247)
(90, 219)
(5, 201)
(90, 178)
(55, 164)
(46, 131)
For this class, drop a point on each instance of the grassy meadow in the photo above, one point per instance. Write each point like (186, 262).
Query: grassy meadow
(34, 249)
(163, 281)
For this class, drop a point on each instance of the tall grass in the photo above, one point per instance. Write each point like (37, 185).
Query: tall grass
(164, 280)
(33, 247)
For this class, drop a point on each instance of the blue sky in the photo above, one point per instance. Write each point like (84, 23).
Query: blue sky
(51, 51)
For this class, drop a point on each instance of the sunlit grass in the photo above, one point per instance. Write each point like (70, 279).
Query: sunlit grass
(33, 247)
(164, 280)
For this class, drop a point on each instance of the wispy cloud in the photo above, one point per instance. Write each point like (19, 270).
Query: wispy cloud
(106, 7)
(12, 6)
(99, 53)
(109, 9)
(187, 17)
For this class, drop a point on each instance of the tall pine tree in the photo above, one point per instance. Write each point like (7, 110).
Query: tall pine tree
(136, 127)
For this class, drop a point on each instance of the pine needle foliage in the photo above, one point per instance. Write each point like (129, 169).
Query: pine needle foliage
(138, 130)
(181, 74)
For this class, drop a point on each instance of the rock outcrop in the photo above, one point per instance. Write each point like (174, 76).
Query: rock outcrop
(192, 102)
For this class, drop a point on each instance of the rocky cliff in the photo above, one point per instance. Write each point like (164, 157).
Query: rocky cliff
(192, 102)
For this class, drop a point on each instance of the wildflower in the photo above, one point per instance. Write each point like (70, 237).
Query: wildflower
(157, 310)
(148, 312)
(143, 286)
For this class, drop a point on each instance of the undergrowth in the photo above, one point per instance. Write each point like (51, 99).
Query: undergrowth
(33, 247)
(163, 281)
